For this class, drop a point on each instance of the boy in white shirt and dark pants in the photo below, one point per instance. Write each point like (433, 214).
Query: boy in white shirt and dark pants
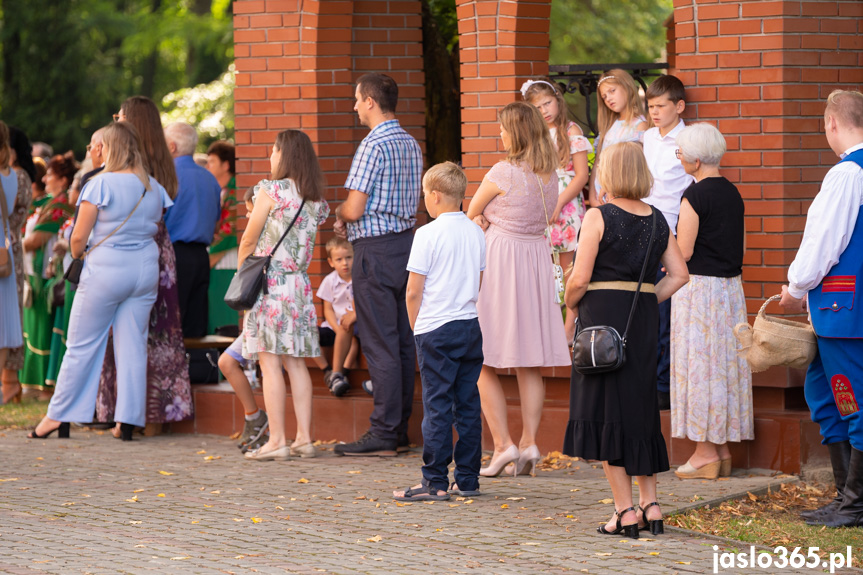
(446, 260)
(665, 103)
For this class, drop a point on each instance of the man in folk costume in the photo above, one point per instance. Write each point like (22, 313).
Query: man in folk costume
(826, 272)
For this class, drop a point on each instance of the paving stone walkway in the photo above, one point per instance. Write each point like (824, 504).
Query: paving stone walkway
(191, 504)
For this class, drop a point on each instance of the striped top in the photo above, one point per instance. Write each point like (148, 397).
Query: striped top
(388, 168)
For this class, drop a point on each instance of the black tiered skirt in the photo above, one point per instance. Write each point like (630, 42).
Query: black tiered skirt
(614, 416)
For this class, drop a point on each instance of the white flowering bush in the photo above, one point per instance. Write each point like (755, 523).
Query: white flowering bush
(207, 107)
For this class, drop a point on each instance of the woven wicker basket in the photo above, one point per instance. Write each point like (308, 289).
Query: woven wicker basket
(776, 341)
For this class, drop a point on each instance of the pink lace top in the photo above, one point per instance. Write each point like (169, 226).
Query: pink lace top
(519, 209)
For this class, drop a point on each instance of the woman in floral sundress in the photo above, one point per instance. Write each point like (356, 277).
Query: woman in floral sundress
(281, 329)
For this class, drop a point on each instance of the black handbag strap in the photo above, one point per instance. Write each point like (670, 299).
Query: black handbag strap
(281, 239)
(641, 277)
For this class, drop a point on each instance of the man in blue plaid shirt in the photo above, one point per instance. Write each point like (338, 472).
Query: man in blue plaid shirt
(378, 218)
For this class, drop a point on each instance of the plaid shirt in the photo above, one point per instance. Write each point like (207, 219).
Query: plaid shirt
(388, 168)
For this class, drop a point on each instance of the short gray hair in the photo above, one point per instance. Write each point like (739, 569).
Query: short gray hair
(184, 136)
(701, 142)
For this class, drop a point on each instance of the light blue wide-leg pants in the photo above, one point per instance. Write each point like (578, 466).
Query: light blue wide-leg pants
(118, 288)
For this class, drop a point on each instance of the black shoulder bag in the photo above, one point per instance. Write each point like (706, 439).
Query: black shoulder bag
(600, 349)
(251, 279)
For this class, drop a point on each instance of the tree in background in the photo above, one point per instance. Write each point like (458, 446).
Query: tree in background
(66, 66)
(607, 31)
(208, 107)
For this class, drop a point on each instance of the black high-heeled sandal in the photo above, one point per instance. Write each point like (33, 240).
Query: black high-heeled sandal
(630, 531)
(655, 526)
(126, 430)
(62, 432)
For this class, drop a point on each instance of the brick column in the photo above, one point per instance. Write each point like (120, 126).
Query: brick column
(297, 63)
(761, 71)
(502, 43)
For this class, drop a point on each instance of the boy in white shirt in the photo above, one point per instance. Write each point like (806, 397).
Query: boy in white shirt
(339, 326)
(445, 265)
(665, 103)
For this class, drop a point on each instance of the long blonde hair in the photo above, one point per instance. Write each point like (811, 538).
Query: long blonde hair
(529, 139)
(605, 116)
(544, 86)
(123, 151)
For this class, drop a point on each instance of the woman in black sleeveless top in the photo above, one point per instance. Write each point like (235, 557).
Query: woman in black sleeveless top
(614, 416)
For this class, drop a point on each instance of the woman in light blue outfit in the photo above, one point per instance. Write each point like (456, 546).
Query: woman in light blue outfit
(10, 314)
(122, 207)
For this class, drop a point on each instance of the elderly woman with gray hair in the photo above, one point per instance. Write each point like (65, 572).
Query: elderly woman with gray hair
(711, 385)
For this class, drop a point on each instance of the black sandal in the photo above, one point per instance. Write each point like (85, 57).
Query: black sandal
(62, 432)
(421, 493)
(655, 526)
(630, 530)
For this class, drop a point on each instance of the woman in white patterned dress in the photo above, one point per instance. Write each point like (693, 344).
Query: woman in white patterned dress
(281, 329)
(711, 385)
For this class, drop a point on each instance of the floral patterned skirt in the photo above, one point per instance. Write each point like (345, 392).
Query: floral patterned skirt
(169, 395)
(711, 385)
(564, 232)
(284, 321)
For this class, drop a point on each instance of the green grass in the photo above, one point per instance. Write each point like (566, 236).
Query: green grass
(24, 415)
(773, 520)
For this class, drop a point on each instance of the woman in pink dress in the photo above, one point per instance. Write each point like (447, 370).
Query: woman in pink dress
(518, 311)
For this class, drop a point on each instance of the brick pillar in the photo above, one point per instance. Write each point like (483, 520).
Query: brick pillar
(502, 43)
(297, 63)
(761, 71)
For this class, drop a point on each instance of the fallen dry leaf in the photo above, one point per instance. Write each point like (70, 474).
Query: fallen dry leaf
(606, 501)
(165, 473)
(9, 479)
(135, 523)
(160, 495)
(504, 506)
(202, 452)
(256, 520)
(375, 539)
(302, 480)
(516, 498)
(355, 472)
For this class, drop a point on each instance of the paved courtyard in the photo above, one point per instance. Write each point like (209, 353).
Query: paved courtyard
(191, 504)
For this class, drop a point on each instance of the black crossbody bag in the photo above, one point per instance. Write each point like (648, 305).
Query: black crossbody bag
(251, 279)
(600, 349)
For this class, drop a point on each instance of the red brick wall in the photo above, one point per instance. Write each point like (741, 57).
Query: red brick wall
(760, 71)
(297, 63)
(502, 43)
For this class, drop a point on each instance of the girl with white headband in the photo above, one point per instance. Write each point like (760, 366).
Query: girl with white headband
(572, 172)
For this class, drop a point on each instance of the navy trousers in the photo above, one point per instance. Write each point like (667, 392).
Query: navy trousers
(193, 284)
(380, 279)
(450, 359)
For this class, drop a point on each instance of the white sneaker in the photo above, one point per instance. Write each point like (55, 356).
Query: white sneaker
(367, 386)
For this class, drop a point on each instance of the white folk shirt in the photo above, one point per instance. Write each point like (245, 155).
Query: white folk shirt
(829, 225)
(670, 180)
